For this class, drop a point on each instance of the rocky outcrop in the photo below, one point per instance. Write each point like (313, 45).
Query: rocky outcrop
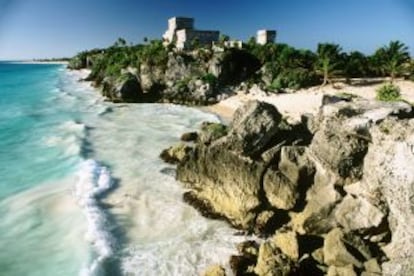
(125, 88)
(332, 195)
(232, 182)
(197, 77)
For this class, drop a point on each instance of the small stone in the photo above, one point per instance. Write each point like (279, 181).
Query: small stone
(248, 248)
(241, 265)
(175, 154)
(372, 266)
(341, 271)
(262, 224)
(287, 242)
(189, 136)
(358, 214)
(272, 262)
(336, 253)
(215, 270)
(317, 255)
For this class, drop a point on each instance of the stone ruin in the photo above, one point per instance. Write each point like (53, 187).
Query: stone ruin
(265, 36)
(181, 32)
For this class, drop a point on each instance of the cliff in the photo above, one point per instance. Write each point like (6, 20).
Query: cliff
(154, 73)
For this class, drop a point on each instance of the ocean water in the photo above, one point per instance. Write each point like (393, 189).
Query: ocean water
(82, 190)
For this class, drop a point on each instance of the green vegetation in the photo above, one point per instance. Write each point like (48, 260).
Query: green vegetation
(275, 67)
(210, 79)
(388, 93)
(213, 131)
(392, 59)
(328, 61)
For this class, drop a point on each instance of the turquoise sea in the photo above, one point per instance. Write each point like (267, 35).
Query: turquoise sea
(82, 190)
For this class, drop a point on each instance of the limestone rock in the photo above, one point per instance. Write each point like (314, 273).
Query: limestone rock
(372, 266)
(280, 191)
(341, 271)
(242, 264)
(349, 185)
(189, 136)
(175, 154)
(264, 222)
(272, 262)
(358, 213)
(317, 216)
(317, 255)
(388, 173)
(399, 267)
(211, 132)
(285, 184)
(295, 165)
(336, 252)
(249, 248)
(287, 242)
(340, 149)
(125, 88)
(215, 270)
(253, 127)
(230, 184)
(151, 78)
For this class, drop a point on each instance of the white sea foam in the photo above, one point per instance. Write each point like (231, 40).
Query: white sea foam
(69, 136)
(93, 181)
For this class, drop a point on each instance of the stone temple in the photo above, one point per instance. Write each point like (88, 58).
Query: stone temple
(265, 36)
(181, 32)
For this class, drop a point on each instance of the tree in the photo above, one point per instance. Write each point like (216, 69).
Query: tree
(356, 65)
(328, 61)
(392, 59)
(120, 42)
(224, 38)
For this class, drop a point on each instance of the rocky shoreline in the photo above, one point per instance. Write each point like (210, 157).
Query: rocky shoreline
(331, 194)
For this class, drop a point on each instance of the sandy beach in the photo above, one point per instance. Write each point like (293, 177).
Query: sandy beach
(293, 105)
(40, 62)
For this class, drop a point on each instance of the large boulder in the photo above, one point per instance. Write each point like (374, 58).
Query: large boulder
(232, 183)
(287, 182)
(253, 127)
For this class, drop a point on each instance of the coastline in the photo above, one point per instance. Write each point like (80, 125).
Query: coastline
(125, 202)
(38, 62)
(143, 216)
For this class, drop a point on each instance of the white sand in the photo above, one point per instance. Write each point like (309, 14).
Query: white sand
(293, 105)
(41, 62)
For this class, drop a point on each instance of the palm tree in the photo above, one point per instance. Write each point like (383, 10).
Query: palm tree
(120, 42)
(393, 59)
(356, 65)
(328, 61)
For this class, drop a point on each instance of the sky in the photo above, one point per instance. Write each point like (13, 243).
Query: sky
(61, 28)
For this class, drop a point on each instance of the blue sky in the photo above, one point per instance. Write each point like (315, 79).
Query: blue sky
(56, 28)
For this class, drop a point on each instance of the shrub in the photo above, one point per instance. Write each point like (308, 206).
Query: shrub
(388, 93)
(294, 79)
(212, 131)
(210, 79)
(182, 85)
